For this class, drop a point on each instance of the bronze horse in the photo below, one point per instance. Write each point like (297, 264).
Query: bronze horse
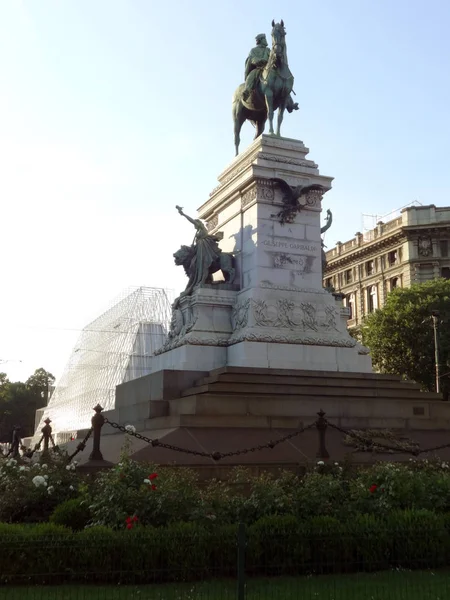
(272, 92)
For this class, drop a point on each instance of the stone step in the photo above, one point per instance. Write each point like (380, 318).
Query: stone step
(163, 425)
(219, 405)
(238, 421)
(302, 373)
(310, 390)
(304, 381)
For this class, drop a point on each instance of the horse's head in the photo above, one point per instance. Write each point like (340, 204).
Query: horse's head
(278, 35)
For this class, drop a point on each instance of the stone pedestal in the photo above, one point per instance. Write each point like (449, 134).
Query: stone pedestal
(246, 365)
(282, 318)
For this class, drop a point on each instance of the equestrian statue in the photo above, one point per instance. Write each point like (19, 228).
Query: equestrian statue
(268, 86)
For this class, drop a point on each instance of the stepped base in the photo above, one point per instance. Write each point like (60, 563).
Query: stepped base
(235, 408)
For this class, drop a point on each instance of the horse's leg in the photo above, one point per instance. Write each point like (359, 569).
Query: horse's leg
(260, 124)
(238, 119)
(281, 109)
(269, 103)
(227, 268)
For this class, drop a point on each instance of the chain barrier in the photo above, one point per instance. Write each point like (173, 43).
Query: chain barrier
(55, 448)
(81, 446)
(216, 456)
(320, 424)
(30, 453)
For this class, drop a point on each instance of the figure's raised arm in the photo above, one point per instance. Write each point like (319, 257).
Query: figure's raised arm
(180, 210)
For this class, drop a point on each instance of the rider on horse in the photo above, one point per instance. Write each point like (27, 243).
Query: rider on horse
(255, 63)
(254, 67)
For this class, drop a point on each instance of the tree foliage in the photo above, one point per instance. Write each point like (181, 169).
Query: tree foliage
(401, 338)
(19, 402)
(39, 383)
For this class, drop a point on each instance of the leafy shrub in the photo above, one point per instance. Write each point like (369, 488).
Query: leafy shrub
(129, 489)
(419, 539)
(30, 492)
(276, 545)
(37, 551)
(73, 513)
(158, 497)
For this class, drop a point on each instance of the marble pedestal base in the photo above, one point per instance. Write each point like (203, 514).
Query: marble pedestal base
(201, 328)
(190, 358)
(295, 356)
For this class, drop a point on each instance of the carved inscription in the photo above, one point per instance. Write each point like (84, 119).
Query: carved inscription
(280, 243)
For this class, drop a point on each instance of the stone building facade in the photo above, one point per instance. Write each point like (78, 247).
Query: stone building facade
(413, 248)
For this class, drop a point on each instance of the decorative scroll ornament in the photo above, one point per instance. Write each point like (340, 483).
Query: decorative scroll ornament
(388, 441)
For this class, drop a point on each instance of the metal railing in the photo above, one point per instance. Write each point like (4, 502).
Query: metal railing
(241, 564)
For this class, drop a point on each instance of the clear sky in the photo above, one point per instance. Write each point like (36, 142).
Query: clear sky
(113, 111)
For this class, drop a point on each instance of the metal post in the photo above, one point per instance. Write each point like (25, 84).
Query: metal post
(46, 434)
(15, 443)
(98, 420)
(322, 425)
(241, 562)
(435, 317)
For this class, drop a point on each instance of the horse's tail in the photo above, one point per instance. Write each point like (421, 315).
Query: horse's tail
(237, 96)
(237, 115)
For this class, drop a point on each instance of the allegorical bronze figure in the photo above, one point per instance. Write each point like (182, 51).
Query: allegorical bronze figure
(203, 257)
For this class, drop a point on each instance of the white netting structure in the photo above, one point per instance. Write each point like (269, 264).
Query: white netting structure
(114, 348)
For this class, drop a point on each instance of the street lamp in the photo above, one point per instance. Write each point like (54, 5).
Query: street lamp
(435, 317)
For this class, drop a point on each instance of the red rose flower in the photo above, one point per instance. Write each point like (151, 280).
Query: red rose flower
(153, 476)
(373, 488)
(135, 519)
(128, 520)
(153, 486)
(130, 526)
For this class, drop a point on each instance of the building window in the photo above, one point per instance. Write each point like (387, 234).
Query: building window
(445, 272)
(348, 276)
(370, 267)
(372, 298)
(349, 302)
(329, 282)
(392, 258)
(395, 282)
(444, 248)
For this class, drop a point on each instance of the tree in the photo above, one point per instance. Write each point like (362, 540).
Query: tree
(400, 335)
(40, 383)
(19, 402)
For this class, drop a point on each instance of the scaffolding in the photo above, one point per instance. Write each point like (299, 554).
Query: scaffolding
(115, 348)
(369, 222)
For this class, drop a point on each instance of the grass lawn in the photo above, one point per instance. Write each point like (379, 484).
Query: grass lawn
(392, 585)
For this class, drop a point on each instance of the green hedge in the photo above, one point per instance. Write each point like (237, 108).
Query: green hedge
(50, 553)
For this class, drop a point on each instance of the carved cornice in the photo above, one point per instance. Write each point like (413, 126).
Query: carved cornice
(287, 160)
(363, 253)
(251, 335)
(258, 154)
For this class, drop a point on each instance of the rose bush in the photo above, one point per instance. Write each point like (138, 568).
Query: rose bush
(157, 497)
(30, 492)
(147, 495)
